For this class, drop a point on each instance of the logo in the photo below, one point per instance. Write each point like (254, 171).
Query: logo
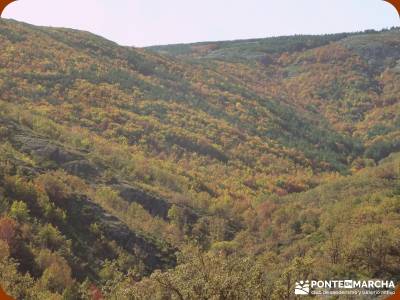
(3, 4)
(345, 287)
(302, 288)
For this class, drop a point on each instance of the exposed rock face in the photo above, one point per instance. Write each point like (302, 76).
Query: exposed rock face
(85, 212)
(82, 168)
(154, 205)
(45, 150)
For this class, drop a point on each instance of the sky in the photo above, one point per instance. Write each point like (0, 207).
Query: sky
(158, 22)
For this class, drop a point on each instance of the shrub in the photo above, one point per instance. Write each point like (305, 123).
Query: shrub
(8, 229)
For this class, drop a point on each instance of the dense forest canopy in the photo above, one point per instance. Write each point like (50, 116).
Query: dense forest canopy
(223, 170)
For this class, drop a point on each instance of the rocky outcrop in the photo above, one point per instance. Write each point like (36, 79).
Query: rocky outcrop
(85, 212)
(153, 204)
(45, 150)
(82, 168)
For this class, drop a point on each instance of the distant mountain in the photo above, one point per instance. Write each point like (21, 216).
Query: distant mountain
(235, 168)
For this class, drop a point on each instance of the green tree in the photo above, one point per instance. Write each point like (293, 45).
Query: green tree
(19, 211)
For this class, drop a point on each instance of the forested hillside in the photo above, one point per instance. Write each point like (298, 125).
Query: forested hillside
(223, 170)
